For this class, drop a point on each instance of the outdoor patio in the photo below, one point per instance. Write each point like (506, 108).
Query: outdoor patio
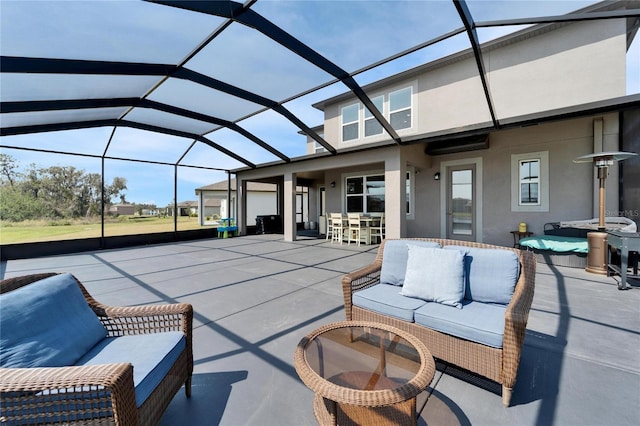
(255, 297)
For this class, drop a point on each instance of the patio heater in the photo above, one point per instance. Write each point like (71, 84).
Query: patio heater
(597, 258)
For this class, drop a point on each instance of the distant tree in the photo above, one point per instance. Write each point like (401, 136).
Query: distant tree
(16, 206)
(8, 169)
(115, 190)
(56, 191)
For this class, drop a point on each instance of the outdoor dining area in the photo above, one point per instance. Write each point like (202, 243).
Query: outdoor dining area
(579, 362)
(355, 227)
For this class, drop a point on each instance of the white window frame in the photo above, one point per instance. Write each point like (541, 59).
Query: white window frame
(317, 148)
(364, 176)
(543, 182)
(365, 115)
(411, 196)
(410, 107)
(368, 116)
(357, 122)
(528, 181)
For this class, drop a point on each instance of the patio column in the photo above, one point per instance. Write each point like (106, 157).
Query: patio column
(201, 208)
(394, 198)
(289, 213)
(241, 200)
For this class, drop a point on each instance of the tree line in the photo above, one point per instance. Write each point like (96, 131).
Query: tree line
(53, 192)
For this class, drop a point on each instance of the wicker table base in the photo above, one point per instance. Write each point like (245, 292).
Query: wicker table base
(396, 367)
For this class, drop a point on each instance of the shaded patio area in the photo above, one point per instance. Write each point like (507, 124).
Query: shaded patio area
(255, 297)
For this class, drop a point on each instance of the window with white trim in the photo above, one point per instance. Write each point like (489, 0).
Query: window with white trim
(410, 191)
(371, 125)
(350, 122)
(530, 182)
(365, 194)
(400, 108)
(318, 148)
(357, 122)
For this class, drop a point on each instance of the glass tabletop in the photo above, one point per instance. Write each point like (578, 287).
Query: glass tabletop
(363, 357)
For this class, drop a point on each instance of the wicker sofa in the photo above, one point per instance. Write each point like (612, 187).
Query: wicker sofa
(368, 296)
(67, 359)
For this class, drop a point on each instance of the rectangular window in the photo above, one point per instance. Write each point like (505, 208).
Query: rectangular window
(371, 125)
(529, 182)
(350, 122)
(408, 191)
(316, 146)
(365, 194)
(400, 108)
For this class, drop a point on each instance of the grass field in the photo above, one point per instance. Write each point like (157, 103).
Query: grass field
(33, 231)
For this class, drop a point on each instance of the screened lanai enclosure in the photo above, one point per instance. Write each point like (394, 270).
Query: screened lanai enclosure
(107, 105)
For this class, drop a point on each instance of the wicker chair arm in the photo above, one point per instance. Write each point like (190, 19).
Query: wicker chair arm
(127, 320)
(516, 318)
(358, 280)
(53, 394)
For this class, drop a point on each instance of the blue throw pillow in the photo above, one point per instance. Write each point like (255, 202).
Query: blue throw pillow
(47, 324)
(435, 275)
(394, 259)
(491, 274)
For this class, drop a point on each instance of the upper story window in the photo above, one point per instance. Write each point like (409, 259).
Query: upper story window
(350, 122)
(371, 125)
(318, 148)
(358, 122)
(400, 108)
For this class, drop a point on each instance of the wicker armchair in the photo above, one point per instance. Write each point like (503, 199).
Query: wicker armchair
(497, 364)
(97, 394)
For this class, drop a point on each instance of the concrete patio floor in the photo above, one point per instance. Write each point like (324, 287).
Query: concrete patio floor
(255, 297)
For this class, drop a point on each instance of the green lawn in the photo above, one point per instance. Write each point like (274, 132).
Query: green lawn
(33, 231)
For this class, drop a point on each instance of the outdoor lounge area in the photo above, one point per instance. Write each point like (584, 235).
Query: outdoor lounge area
(255, 297)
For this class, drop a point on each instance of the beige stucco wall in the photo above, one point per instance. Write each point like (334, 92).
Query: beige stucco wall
(578, 63)
(571, 194)
(571, 65)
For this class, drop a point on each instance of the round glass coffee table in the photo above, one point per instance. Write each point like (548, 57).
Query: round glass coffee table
(364, 373)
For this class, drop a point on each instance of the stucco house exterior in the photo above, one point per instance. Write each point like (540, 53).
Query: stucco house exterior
(477, 157)
(122, 209)
(185, 208)
(212, 199)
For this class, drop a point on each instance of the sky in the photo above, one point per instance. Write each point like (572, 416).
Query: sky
(352, 34)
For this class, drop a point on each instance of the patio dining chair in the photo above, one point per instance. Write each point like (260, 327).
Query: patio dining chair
(376, 229)
(337, 227)
(329, 231)
(356, 231)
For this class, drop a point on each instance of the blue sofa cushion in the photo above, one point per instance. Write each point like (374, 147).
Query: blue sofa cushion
(152, 356)
(476, 321)
(47, 324)
(394, 260)
(386, 299)
(491, 274)
(435, 275)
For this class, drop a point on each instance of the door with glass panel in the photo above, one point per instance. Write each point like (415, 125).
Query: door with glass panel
(461, 202)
